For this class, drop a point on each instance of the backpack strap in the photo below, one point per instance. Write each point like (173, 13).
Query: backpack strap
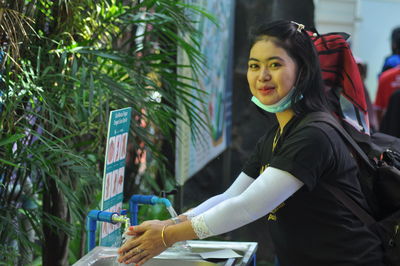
(330, 120)
(340, 195)
(350, 204)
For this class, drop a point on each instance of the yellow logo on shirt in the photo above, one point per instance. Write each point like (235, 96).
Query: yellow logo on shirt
(272, 214)
(263, 168)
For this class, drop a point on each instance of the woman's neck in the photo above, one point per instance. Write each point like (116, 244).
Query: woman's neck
(284, 117)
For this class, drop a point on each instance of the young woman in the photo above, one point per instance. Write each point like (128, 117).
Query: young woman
(282, 178)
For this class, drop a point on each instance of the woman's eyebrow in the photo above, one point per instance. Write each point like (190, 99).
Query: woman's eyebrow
(268, 59)
(253, 59)
(275, 58)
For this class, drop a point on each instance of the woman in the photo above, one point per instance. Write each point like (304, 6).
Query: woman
(281, 179)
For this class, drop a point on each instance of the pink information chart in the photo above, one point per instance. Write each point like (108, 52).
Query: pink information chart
(114, 170)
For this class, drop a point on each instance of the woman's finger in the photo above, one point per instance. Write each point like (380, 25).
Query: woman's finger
(130, 256)
(131, 231)
(144, 260)
(139, 228)
(149, 240)
(126, 246)
(132, 243)
(138, 255)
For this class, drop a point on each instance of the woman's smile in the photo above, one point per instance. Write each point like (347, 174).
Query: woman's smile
(266, 90)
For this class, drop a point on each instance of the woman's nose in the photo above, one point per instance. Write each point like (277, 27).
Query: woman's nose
(264, 75)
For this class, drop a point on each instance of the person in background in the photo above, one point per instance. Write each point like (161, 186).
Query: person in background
(282, 179)
(388, 83)
(389, 79)
(394, 59)
(390, 122)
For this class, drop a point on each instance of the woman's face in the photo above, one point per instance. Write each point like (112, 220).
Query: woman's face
(271, 72)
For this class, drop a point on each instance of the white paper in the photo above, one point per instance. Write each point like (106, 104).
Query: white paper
(220, 254)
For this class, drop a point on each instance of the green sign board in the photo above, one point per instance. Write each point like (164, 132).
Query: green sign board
(114, 170)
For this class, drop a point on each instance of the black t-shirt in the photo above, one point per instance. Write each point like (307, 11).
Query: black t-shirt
(312, 228)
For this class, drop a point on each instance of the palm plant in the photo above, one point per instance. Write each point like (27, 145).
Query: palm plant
(81, 60)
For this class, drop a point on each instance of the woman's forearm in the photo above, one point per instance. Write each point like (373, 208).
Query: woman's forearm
(179, 232)
(269, 190)
(241, 184)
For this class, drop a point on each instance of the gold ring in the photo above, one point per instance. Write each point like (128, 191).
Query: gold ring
(138, 250)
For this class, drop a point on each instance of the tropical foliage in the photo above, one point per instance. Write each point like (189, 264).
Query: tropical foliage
(64, 65)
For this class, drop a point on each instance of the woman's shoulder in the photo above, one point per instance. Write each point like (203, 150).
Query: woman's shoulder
(304, 123)
(314, 133)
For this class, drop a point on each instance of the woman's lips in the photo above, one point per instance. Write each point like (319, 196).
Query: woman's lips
(266, 90)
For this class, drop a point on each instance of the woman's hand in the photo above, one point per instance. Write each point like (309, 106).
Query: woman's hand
(147, 243)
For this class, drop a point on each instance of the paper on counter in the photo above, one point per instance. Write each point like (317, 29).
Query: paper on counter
(220, 254)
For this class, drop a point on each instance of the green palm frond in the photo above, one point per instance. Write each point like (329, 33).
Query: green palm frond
(16, 27)
(91, 57)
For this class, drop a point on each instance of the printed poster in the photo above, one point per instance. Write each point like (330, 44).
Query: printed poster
(216, 44)
(114, 170)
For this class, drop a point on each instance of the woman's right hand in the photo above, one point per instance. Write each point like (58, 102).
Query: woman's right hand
(146, 244)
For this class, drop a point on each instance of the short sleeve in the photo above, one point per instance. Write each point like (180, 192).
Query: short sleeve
(306, 154)
(253, 164)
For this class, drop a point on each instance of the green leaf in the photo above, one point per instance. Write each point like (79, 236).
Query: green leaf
(11, 139)
(9, 163)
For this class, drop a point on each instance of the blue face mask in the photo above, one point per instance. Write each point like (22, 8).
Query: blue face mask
(280, 106)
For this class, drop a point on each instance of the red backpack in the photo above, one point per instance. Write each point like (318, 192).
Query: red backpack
(342, 79)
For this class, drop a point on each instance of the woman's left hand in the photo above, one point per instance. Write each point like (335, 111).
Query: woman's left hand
(145, 245)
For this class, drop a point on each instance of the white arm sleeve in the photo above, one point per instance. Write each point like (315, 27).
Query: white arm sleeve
(269, 190)
(240, 184)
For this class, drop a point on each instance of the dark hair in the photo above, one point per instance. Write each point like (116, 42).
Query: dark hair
(299, 46)
(396, 41)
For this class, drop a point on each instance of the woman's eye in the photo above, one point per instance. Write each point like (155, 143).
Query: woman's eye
(274, 65)
(253, 66)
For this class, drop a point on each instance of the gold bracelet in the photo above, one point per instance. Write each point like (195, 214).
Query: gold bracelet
(162, 235)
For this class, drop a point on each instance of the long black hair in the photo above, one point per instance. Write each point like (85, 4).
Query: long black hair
(291, 37)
